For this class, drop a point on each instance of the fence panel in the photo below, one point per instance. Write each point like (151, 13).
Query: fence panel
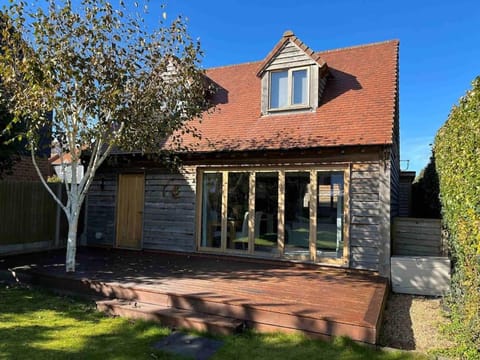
(418, 237)
(28, 216)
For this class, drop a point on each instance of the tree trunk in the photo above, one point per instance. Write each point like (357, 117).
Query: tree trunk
(71, 243)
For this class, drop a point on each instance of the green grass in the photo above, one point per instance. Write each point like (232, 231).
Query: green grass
(38, 325)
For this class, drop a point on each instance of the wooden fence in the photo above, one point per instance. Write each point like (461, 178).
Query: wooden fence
(29, 217)
(418, 237)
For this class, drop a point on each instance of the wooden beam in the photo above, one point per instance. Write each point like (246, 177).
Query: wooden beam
(346, 217)
(224, 222)
(281, 212)
(312, 190)
(251, 213)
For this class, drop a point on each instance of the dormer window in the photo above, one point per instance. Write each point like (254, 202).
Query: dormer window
(289, 88)
(293, 78)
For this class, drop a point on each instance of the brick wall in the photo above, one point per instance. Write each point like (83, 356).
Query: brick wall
(23, 170)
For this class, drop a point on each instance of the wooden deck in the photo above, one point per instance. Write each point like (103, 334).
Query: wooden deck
(268, 296)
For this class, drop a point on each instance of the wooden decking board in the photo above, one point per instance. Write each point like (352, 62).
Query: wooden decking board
(288, 305)
(170, 316)
(317, 301)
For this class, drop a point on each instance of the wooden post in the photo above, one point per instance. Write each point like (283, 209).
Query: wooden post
(281, 212)
(313, 215)
(346, 216)
(251, 213)
(224, 221)
(385, 220)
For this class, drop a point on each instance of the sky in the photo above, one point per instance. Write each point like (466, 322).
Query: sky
(439, 46)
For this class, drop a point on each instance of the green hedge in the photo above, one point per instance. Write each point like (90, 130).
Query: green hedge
(457, 153)
(425, 193)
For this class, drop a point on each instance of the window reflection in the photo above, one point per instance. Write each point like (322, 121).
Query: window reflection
(330, 214)
(237, 213)
(266, 212)
(212, 210)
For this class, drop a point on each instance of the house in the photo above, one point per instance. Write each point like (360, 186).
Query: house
(299, 161)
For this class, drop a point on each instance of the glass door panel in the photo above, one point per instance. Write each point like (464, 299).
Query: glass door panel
(266, 212)
(211, 210)
(237, 210)
(297, 214)
(330, 214)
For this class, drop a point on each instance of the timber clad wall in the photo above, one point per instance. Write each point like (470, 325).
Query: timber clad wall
(170, 205)
(169, 216)
(289, 57)
(394, 184)
(418, 237)
(101, 205)
(365, 234)
(169, 210)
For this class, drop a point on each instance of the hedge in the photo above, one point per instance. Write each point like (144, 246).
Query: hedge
(457, 155)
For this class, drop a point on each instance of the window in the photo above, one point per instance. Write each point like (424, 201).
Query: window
(295, 213)
(288, 88)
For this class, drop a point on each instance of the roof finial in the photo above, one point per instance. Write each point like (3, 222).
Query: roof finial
(288, 33)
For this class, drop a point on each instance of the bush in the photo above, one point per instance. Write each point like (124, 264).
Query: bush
(457, 153)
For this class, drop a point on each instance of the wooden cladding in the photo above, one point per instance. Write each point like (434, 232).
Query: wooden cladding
(418, 237)
(172, 218)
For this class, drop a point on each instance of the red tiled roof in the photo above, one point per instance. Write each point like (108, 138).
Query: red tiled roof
(356, 108)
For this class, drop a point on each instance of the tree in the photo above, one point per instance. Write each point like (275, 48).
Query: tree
(109, 82)
(8, 149)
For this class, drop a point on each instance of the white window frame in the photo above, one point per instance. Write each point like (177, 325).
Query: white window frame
(290, 104)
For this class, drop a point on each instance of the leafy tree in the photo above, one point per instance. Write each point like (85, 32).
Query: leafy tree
(8, 149)
(108, 80)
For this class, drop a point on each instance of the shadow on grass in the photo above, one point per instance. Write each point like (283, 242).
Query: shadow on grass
(38, 325)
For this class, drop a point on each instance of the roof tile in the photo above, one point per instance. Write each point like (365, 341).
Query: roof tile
(356, 108)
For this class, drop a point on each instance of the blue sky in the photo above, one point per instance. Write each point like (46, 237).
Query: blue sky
(439, 45)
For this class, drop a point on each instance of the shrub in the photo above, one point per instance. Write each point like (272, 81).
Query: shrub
(425, 193)
(457, 152)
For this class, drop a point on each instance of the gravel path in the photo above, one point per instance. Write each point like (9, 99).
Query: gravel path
(412, 323)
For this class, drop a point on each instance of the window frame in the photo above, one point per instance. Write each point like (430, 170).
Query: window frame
(343, 261)
(290, 94)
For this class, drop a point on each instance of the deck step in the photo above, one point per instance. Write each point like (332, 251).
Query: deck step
(169, 316)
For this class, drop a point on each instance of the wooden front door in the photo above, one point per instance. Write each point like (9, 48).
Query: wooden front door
(130, 210)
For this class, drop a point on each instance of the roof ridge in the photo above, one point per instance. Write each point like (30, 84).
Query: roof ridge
(357, 46)
(232, 65)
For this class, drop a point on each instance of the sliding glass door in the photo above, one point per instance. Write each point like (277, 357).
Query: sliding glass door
(330, 205)
(292, 213)
(211, 210)
(266, 213)
(237, 211)
(297, 214)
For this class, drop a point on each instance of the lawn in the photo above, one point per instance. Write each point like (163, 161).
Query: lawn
(38, 325)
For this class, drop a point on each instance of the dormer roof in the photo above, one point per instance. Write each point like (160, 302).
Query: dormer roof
(290, 38)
